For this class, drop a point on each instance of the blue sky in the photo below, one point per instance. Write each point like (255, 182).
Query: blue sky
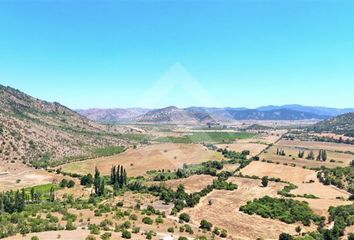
(241, 53)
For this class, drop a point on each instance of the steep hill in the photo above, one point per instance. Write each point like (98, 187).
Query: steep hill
(32, 129)
(343, 124)
(176, 116)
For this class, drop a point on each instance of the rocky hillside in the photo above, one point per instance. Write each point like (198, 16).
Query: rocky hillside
(32, 129)
(113, 115)
(176, 116)
(342, 124)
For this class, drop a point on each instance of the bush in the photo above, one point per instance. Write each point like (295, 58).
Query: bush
(204, 224)
(70, 184)
(184, 217)
(34, 238)
(126, 234)
(171, 230)
(90, 237)
(182, 238)
(147, 220)
(106, 236)
(285, 236)
(70, 226)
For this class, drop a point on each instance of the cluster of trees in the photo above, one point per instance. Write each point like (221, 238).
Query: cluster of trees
(118, 177)
(12, 201)
(280, 152)
(342, 177)
(286, 210)
(310, 156)
(322, 155)
(208, 168)
(233, 155)
(67, 183)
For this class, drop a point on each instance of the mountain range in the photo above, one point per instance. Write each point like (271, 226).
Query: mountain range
(204, 114)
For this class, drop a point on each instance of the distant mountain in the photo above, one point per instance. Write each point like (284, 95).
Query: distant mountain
(196, 114)
(342, 124)
(113, 115)
(277, 114)
(176, 116)
(323, 111)
(32, 129)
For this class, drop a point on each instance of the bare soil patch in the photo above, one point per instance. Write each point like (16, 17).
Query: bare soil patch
(152, 157)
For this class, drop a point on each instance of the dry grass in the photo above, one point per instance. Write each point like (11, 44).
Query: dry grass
(194, 183)
(224, 211)
(340, 159)
(291, 174)
(151, 157)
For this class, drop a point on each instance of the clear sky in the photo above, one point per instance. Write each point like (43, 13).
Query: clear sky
(238, 53)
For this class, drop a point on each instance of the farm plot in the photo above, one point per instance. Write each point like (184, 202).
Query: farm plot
(306, 182)
(334, 159)
(318, 145)
(18, 175)
(291, 174)
(254, 148)
(238, 224)
(194, 183)
(138, 161)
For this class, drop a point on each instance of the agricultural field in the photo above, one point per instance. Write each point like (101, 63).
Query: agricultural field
(194, 183)
(238, 223)
(165, 180)
(338, 155)
(138, 161)
(305, 181)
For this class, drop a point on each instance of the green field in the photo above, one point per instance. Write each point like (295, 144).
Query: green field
(212, 137)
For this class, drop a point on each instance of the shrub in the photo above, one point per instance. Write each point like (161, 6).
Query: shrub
(147, 220)
(285, 236)
(126, 234)
(171, 230)
(106, 236)
(204, 224)
(90, 237)
(184, 217)
(34, 238)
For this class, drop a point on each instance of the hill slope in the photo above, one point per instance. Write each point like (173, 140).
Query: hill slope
(343, 124)
(113, 115)
(31, 129)
(176, 115)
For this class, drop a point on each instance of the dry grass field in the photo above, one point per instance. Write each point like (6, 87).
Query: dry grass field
(317, 145)
(150, 157)
(328, 195)
(17, 175)
(194, 183)
(238, 224)
(291, 174)
(291, 157)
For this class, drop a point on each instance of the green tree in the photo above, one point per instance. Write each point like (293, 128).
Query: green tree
(265, 181)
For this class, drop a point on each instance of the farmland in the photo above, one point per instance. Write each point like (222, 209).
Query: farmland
(216, 179)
